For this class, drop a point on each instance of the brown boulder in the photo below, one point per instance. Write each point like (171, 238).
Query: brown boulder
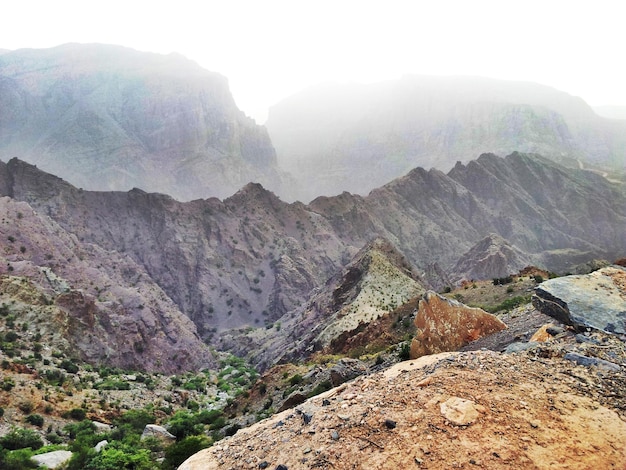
(446, 325)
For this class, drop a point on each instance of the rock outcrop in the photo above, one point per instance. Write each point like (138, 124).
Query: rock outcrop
(375, 282)
(453, 410)
(446, 325)
(596, 300)
(111, 118)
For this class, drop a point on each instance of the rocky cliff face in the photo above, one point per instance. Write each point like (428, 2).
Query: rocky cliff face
(110, 118)
(355, 138)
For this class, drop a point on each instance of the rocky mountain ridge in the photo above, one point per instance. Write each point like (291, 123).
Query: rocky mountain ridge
(358, 137)
(247, 261)
(111, 118)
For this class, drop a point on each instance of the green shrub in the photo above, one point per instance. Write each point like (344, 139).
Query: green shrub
(26, 406)
(178, 452)
(20, 438)
(295, 379)
(405, 351)
(78, 414)
(509, 304)
(184, 424)
(69, 366)
(118, 456)
(35, 420)
(321, 388)
(136, 419)
(112, 384)
(54, 438)
(16, 460)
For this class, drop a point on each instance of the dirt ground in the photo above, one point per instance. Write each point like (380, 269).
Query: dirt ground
(530, 410)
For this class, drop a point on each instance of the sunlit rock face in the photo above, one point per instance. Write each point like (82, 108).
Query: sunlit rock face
(447, 325)
(111, 118)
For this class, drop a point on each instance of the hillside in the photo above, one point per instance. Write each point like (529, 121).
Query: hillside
(111, 118)
(357, 137)
(451, 410)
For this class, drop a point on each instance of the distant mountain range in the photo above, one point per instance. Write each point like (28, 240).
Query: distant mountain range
(349, 137)
(251, 259)
(110, 118)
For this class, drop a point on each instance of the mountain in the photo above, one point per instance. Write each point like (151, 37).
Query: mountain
(374, 283)
(357, 137)
(93, 304)
(111, 118)
(252, 260)
(491, 257)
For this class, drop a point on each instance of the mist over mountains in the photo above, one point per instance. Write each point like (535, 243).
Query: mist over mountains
(174, 268)
(350, 137)
(111, 118)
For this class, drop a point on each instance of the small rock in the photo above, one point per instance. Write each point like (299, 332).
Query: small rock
(281, 467)
(264, 464)
(555, 330)
(592, 361)
(580, 338)
(519, 347)
(307, 450)
(101, 445)
(343, 417)
(390, 424)
(325, 402)
(459, 411)
(334, 435)
(306, 417)
(424, 382)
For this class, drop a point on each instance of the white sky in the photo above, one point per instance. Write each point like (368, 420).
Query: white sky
(270, 49)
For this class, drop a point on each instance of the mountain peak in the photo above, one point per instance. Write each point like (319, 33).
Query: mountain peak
(491, 257)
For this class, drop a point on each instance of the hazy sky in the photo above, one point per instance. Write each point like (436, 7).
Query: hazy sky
(271, 49)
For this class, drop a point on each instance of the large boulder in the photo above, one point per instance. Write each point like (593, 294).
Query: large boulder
(53, 459)
(158, 432)
(596, 300)
(346, 369)
(446, 325)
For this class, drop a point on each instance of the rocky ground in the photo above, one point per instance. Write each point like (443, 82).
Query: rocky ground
(478, 409)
